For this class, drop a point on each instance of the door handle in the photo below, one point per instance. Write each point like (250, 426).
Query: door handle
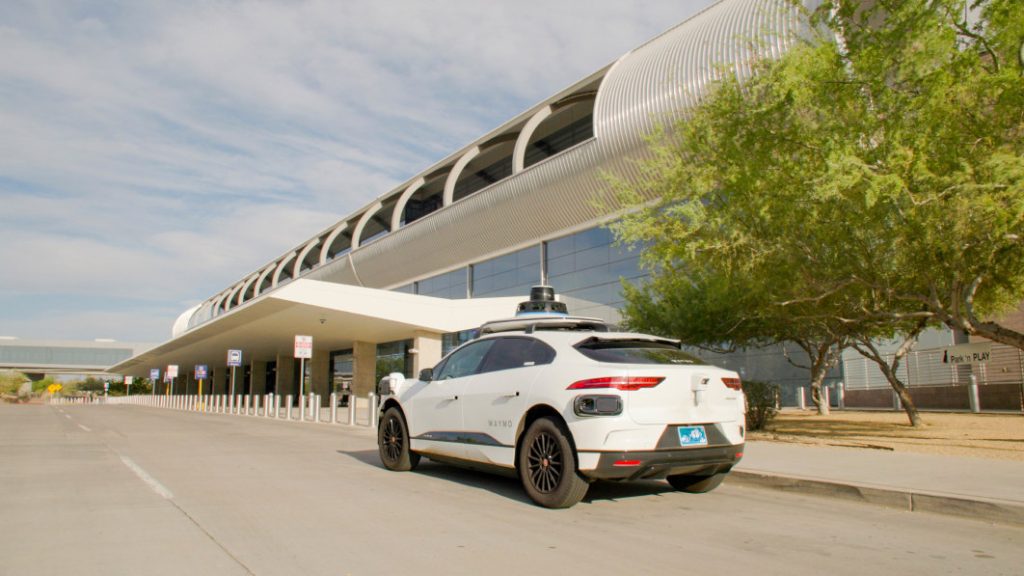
(510, 395)
(452, 399)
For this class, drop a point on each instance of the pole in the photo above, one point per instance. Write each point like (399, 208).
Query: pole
(233, 381)
(202, 405)
(302, 388)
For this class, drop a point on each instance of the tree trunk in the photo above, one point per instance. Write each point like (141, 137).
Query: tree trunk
(823, 356)
(817, 379)
(869, 351)
(906, 401)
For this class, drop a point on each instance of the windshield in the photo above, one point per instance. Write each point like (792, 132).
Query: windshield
(635, 352)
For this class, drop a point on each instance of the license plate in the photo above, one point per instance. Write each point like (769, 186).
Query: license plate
(692, 436)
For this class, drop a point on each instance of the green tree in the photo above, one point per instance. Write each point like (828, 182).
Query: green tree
(866, 184)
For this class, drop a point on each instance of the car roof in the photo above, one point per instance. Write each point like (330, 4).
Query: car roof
(571, 335)
(531, 323)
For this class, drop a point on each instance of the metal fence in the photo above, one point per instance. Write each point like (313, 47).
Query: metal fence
(926, 368)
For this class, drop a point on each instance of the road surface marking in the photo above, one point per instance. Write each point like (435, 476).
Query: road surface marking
(149, 480)
(68, 416)
(84, 427)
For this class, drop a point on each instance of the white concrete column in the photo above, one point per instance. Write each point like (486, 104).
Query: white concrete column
(364, 368)
(428, 351)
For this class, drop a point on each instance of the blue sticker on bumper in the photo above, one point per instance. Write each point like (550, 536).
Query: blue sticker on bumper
(692, 436)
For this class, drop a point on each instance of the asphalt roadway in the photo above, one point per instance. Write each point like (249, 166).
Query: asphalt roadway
(130, 490)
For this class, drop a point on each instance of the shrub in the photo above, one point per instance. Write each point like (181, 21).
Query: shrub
(10, 381)
(761, 399)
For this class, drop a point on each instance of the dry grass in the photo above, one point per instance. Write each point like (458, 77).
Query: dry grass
(996, 436)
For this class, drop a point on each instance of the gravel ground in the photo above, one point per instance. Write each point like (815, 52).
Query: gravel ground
(997, 436)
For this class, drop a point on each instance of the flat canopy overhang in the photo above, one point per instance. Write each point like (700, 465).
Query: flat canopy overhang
(335, 315)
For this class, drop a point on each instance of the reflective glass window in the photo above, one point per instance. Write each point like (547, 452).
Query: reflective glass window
(585, 270)
(465, 361)
(509, 353)
(449, 285)
(508, 275)
(453, 340)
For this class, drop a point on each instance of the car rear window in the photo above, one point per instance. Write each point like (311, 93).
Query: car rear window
(635, 352)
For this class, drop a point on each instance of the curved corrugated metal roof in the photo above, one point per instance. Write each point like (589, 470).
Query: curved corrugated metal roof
(650, 86)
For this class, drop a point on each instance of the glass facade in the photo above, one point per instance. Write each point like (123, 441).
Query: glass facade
(585, 270)
(453, 340)
(509, 275)
(394, 357)
(449, 285)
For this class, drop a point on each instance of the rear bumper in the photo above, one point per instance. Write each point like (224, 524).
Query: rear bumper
(636, 465)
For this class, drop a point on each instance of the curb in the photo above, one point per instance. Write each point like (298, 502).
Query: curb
(997, 511)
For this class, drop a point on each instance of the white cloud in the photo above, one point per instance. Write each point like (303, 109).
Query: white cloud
(185, 144)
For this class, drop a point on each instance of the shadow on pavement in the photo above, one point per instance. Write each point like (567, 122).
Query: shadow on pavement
(370, 457)
(510, 487)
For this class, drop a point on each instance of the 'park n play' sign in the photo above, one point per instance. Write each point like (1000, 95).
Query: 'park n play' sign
(977, 353)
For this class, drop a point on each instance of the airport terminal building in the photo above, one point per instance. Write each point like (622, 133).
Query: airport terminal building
(402, 280)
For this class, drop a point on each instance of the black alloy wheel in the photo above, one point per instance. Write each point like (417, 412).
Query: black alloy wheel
(547, 466)
(393, 442)
(545, 463)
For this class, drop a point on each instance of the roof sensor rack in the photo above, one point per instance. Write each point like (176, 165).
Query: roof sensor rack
(542, 302)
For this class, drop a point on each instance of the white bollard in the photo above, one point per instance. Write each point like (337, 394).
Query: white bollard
(373, 410)
(267, 403)
(302, 409)
(316, 404)
(248, 402)
(277, 406)
(288, 407)
(842, 396)
(256, 405)
(231, 404)
(351, 409)
(334, 408)
(972, 395)
(801, 399)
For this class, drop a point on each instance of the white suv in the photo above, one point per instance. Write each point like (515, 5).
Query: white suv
(562, 402)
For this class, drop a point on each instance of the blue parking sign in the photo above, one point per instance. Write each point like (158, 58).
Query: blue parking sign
(154, 374)
(234, 357)
(200, 371)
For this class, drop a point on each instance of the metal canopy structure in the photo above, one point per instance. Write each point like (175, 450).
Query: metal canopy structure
(335, 315)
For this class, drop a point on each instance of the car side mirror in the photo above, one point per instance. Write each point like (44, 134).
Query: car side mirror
(427, 374)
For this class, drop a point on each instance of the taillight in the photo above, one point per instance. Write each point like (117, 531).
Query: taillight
(627, 383)
(733, 383)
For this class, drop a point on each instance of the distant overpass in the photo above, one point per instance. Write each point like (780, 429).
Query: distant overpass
(38, 358)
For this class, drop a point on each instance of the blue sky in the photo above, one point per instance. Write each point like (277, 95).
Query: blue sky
(152, 153)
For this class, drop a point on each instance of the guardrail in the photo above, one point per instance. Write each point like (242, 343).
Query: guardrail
(360, 411)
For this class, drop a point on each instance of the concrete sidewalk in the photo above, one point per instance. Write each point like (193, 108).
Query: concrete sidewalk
(983, 489)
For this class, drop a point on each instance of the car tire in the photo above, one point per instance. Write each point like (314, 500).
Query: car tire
(393, 442)
(547, 466)
(696, 484)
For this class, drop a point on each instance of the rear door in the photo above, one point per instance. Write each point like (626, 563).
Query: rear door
(495, 398)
